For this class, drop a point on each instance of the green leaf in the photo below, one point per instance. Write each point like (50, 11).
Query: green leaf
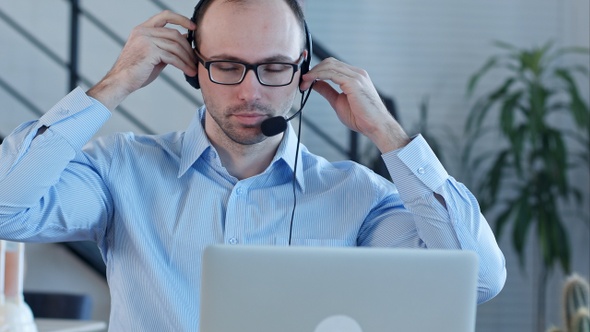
(533, 59)
(568, 50)
(579, 110)
(561, 244)
(494, 178)
(483, 105)
(503, 219)
(581, 69)
(506, 46)
(508, 111)
(522, 224)
(474, 79)
(518, 141)
(555, 156)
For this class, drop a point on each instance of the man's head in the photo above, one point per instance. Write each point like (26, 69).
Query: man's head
(203, 5)
(250, 32)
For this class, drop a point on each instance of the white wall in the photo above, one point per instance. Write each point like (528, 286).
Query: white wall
(417, 48)
(411, 49)
(52, 268)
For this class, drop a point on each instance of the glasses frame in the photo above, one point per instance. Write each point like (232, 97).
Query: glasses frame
(254, 67)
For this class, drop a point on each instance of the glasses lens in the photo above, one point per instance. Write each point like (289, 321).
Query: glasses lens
(275, 73)
(226, 72)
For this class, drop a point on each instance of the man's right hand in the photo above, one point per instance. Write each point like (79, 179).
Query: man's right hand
(151, 47)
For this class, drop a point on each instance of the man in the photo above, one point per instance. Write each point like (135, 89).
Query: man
(153, 203)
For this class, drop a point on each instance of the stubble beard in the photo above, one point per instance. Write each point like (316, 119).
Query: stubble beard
(242, 134)
(245, 134)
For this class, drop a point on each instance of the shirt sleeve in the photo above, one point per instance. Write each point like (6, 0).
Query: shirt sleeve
(458, 224)
(48, 191)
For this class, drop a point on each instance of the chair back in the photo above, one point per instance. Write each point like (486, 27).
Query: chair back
(59, 305)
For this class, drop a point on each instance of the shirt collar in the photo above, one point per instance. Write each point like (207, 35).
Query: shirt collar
(195, 143)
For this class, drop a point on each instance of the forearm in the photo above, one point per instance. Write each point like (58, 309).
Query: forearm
(446, 214)
(388, 135)
(109, 91)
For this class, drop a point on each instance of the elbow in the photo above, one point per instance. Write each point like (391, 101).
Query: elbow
(12, 224)
(492, 284)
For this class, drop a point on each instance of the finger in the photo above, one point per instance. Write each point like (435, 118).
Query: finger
(173, 36)
(169, 17)
(189, 68)
(336, 67)
(177, 56)
(326, 91)
(345, 76)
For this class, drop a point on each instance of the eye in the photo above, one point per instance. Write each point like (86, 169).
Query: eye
(276, 68)
(227, 66)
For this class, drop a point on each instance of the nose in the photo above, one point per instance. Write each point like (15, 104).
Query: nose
(250, 88)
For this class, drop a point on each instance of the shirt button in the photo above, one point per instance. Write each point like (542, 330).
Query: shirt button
(421, 170)
(233, 240)
(239, 191)
(64, 111)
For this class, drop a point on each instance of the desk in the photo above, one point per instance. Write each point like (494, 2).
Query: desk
(69, 325)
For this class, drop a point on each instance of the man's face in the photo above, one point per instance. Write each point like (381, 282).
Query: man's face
(253, 32)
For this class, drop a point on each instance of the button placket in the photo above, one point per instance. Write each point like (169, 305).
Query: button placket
(234, 214)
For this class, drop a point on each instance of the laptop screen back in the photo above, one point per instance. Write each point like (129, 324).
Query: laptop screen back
(270, 289)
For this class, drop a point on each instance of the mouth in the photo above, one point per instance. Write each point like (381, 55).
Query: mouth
(250, 119)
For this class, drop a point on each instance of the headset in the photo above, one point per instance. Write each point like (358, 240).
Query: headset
(194, 80)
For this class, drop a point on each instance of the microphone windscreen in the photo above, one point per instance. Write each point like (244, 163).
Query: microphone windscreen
(273, 126)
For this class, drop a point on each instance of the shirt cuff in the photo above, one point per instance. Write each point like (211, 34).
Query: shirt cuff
(415, 169)
(77, 117)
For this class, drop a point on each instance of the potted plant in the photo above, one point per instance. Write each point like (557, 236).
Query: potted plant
(543, 123)
(575, 305)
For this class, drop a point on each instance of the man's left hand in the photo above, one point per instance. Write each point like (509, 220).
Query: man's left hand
(358, 106)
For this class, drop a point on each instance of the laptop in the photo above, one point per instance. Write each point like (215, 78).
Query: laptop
(313, 289)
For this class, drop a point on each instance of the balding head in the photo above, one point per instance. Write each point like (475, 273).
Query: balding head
(204, 5)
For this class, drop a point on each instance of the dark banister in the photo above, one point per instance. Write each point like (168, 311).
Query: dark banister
(74, 41)
(163, 6)
(20, 98)
(107, 31)
(53, 56)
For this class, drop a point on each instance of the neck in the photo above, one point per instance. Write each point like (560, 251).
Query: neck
(244, 161)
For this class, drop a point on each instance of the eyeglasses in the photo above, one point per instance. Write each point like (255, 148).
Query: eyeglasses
(227, 72)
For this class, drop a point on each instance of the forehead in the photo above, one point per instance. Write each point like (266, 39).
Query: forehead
(250, 29)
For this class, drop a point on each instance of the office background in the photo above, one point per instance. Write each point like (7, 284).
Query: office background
(412, 49)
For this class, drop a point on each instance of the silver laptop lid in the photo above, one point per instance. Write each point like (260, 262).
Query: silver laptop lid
(284, 289)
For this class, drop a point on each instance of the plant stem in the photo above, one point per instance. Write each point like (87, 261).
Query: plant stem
(541, 298)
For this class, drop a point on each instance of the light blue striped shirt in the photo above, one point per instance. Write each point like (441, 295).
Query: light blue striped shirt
(152, 204)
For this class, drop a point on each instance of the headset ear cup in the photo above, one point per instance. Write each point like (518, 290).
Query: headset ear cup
(305, 66)
(194, 80)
